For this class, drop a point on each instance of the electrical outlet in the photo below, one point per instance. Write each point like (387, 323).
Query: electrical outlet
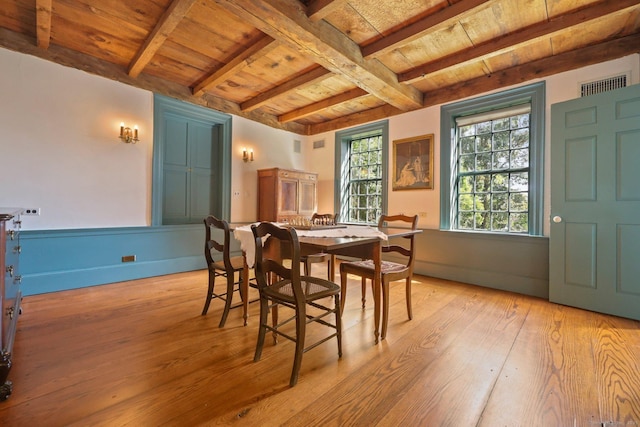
(32, 211)
(236, 193)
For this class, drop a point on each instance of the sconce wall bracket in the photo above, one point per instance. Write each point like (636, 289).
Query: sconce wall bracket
(128, 135)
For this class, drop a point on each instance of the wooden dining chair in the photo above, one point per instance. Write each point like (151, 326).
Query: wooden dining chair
(302, 294)
(308, 260)
(225, 267)
(390, 271)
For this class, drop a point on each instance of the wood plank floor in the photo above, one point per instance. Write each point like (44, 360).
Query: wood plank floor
(138, 353)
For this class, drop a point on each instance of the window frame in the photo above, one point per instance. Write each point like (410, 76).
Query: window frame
(533, 94)
(342, 141)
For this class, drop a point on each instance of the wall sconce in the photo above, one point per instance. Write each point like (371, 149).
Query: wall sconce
(128, 135)
(247, 156)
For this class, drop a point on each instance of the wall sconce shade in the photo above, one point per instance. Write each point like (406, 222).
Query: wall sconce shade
(128, 135)
(247, 156)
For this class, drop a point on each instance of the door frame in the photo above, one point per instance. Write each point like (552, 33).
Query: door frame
(163, 105)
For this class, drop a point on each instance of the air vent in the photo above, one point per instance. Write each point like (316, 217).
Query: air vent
(296, 146)
(318, 144)
(604, 85)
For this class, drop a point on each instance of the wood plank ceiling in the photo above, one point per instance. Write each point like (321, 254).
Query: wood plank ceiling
(320, 65)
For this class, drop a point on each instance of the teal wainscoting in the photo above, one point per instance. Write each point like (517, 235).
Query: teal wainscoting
(513, 263)
(55, 260)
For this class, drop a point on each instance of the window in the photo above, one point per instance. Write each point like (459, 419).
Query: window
(361, 156)
(492, 164)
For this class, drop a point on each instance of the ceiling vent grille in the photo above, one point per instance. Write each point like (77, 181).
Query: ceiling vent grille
(604, 85)
(318, 144)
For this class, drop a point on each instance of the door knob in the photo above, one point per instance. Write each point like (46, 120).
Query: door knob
(557, 219)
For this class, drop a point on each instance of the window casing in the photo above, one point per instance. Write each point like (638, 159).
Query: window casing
(492, 162)
(361, 173)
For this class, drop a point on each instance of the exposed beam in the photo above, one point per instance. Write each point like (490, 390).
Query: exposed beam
(418, 29)
(70, 58)
(165, 26)
(497, 46)
(238, 60)
(43, 23)
(349, 95)
(316, 75)
(286, 21)
(560, 63)
(319, 9)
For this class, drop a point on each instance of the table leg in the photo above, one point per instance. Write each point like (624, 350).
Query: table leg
(332, 268)
(377, 286)
(245, 289)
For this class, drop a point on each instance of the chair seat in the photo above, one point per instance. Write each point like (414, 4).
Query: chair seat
(237, 262)
(386, 267)
(314, 288)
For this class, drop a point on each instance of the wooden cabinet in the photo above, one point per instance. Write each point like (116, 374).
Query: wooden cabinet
(285, 193)
(10, 294)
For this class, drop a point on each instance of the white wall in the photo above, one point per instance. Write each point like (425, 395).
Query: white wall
(60, 147)
(271, 148)
(61, 152)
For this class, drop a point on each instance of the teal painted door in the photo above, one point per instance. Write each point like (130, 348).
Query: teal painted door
(190, 168)
(595, 203)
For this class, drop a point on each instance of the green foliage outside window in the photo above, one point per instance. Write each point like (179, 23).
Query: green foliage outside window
(365, 180)
(493, 175)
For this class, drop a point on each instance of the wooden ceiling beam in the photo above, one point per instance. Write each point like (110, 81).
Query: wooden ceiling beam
(238, 60)
(508, 42)
(310, 109)
(43, 23)
(287, 22)
(316, 75)
(418, 29)
(567, 61)
(319, 9)
(80, 61)
(165, 26)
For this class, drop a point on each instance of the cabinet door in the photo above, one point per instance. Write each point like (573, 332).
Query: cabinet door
(288, 202)
(307, 198)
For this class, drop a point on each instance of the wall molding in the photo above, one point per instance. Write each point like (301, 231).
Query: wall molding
(55, 260)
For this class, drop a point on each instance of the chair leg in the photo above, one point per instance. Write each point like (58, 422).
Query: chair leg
(385, 307)
(262, 330)
(212, 279)
(363, 285)
(343, 290)
(338, 324)
(408, 298)
(301, 325)
(274, 321)
(228, 299)
(307, 267)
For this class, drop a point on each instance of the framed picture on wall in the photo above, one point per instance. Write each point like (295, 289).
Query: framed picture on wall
(413, 163)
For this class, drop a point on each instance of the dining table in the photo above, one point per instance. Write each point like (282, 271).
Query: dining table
(354, 241)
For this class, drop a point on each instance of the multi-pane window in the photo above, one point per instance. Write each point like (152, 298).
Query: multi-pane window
(493, 173)
(361, 172)
(365, 179)
(492, 162)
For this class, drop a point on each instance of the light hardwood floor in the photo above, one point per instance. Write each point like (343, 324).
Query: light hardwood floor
(139, 353)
